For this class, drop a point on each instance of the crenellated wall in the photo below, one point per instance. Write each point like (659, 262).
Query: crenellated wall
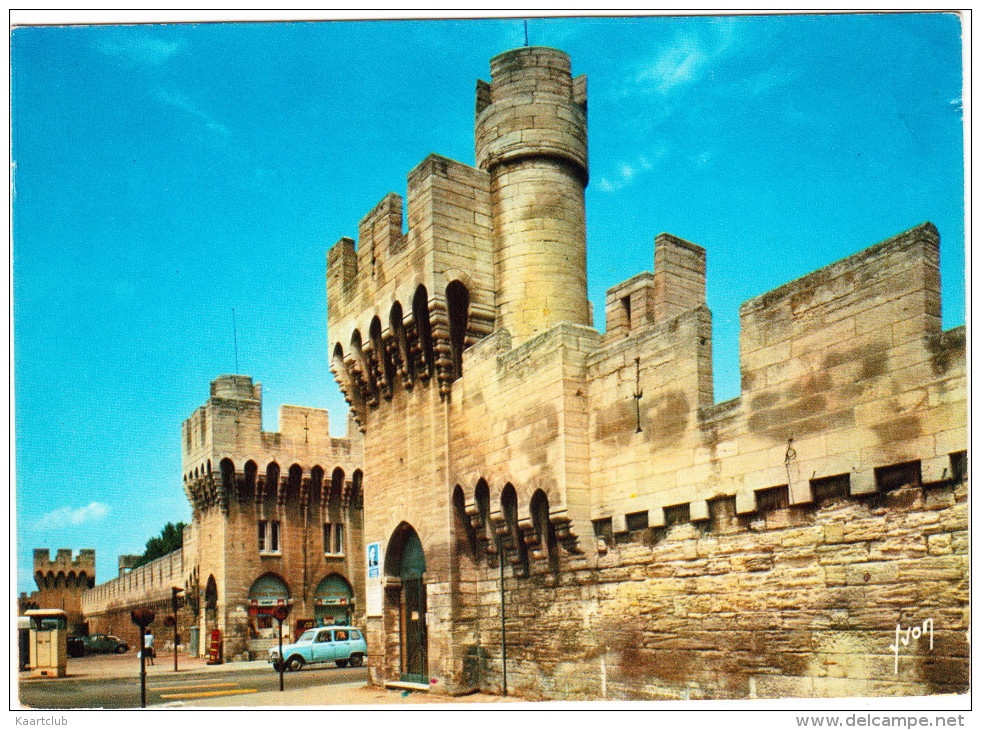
(107, 606)
(845, 371)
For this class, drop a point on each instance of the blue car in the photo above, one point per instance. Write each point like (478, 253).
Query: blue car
(342, 645)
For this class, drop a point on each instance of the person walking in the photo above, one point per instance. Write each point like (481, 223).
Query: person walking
(148, 645)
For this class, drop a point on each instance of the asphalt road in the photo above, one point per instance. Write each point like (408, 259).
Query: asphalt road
(178, 690)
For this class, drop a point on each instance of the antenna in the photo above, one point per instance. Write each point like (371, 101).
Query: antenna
(526, 32)
(235, 339)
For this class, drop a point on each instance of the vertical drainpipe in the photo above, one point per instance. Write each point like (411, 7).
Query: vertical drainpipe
(504, 640)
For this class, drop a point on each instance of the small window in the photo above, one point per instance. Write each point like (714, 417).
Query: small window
(625, 303)
(355, 634)
(333, 538)
(268, 536)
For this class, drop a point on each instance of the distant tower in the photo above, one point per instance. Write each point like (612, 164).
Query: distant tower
(530, 135)
(62, 581)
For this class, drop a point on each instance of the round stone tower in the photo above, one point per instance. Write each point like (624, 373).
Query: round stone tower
(530, 135)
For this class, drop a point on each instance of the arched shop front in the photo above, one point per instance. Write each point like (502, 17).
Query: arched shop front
(333, 601)
(266, 593)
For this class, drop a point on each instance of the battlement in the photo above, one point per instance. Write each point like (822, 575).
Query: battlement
(236, 387)
(136, 586)
(64, 575)
(64, 562)
(845, 375)
(393, 298)
(226, 433)
(449, 231)
(676, 286)
(127, 562)
(885, 295)
(532, 108)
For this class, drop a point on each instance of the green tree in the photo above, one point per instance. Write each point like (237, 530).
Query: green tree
(171, 538)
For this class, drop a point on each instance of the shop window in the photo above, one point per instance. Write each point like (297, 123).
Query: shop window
(333, 538)
(269, 536)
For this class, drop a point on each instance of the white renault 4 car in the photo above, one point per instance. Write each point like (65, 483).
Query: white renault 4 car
(342, 645)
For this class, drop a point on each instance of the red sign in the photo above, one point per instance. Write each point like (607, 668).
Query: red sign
(214, 648)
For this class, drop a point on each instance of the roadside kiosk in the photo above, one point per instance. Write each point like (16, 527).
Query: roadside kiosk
(48, 642)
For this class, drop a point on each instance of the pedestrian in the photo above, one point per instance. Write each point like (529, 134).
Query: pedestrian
(148, 645)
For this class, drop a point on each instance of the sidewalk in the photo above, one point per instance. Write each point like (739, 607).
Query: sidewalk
(124, 666)
(344, 695)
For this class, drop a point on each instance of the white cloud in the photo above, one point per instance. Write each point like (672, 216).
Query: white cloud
(626, 172)
(181, 101)
(689, 57)
(72, 516)
(139, 48)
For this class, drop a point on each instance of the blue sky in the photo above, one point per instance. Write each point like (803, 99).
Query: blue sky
(165, 174)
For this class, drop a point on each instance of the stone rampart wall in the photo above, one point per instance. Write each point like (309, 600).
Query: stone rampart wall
(788, 601)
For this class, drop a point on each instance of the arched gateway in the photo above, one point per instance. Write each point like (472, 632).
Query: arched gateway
(406, 561)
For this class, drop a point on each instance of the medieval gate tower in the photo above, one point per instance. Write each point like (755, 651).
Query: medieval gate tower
(588, 485)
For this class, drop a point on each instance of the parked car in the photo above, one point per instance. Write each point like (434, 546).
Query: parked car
(104, 644)
(342, 645)
(76, 646)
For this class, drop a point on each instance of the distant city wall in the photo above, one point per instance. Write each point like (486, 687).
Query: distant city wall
(107, 606)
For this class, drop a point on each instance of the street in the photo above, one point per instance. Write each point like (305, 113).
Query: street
(97, 690)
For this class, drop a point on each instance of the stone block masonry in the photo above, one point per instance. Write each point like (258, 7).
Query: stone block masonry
(784, 601)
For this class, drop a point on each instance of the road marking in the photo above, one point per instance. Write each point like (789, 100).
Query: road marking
(219, 693)
(193, 686)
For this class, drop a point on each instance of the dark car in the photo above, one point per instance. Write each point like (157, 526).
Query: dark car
(104, 644)
(76, 646)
